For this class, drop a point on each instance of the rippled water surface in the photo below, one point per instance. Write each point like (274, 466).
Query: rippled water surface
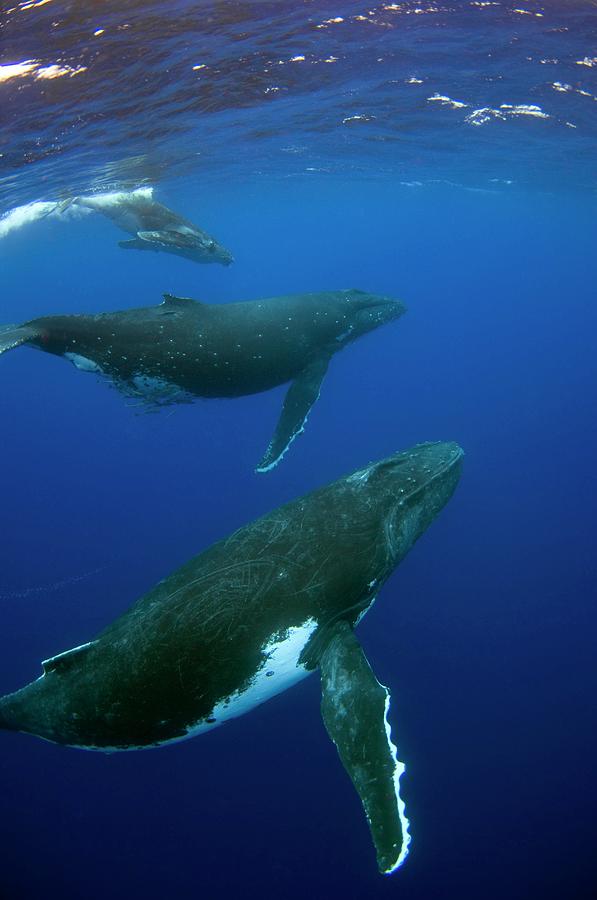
(480, 93)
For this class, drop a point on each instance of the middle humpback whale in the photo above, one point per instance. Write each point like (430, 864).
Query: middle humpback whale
(183, 349)
(249, 617)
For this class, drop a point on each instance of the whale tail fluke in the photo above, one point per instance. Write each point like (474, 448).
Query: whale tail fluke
(14, 335)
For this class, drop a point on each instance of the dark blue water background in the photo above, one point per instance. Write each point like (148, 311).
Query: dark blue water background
(485, 634)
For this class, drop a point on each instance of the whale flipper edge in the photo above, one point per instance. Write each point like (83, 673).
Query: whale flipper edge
(300, 397)
(354, 707)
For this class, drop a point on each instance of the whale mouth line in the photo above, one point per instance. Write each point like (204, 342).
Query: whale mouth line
(456, 456)
(389, 309)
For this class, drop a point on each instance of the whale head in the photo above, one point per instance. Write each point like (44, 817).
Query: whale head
(421, 481)
(206, 249)
(363, 312)
(409, 489)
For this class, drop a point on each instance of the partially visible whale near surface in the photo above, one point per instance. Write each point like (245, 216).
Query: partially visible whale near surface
(182, 349)
(154, 226)
(248, 618)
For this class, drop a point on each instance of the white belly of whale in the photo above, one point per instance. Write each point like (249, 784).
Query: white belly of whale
(279, 671)
(82, 362)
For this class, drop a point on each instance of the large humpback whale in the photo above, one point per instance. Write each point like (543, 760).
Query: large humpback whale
(248, 618)
(183, 349)
(154, 226)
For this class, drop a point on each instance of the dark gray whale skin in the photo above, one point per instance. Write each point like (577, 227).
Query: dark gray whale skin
(156, 227)
(215, 632)
(183, 348)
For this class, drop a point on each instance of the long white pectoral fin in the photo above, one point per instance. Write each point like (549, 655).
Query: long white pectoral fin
(354, 706)
(301, 395)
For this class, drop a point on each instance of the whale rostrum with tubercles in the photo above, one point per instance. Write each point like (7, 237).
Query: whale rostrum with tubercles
(182, 348)
(248, 618)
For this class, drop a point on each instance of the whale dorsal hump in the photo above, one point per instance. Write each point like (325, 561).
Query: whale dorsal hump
(355, 706)
(63, 661)
(171, 300)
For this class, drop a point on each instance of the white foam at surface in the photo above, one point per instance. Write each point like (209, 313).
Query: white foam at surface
(506, 110)
(17, 70)
(16, 218)
(447, 101)
(24, 215)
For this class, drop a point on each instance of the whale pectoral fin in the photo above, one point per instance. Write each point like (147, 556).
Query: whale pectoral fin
(14, 335)
(300, 397)
(168, 238)
(354, 706)
(136, 244)
(152, 237)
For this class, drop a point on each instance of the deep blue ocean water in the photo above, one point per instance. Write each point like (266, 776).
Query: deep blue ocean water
(486, 632)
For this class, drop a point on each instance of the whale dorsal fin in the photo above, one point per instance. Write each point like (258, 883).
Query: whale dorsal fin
(354, 706)
(63, 661)
(301, 395)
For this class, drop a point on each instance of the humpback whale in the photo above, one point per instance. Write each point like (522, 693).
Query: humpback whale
(248, 618)
(183, 349)
(153, 225)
